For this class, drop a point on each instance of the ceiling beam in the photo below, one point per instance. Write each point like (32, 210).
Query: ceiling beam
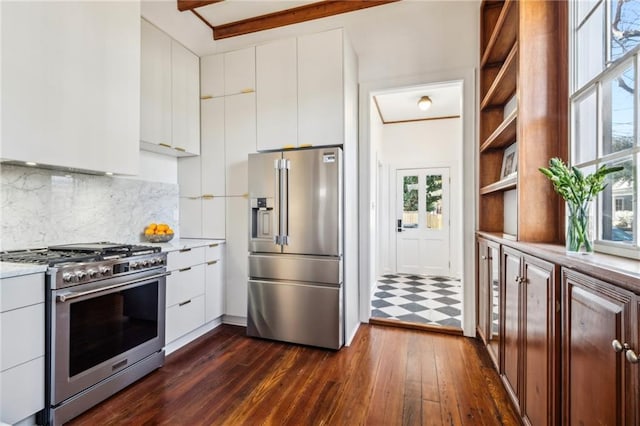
(321, 9)
(192, 4)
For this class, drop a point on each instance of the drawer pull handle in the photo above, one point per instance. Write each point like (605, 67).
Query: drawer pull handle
(184, 250)
(213, 262)
(185, 269)
(214, 245)
(208, 196)
(205, 97)
(184, 303)
(164, 144)
(177, 148)
(247, 90)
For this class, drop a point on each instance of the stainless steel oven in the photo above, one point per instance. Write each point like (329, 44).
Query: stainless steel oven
(105, 333)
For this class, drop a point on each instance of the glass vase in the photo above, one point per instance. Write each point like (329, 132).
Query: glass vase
(580, 228)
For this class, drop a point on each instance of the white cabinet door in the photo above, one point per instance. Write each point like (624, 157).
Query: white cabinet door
(213, 149)
(213, 218)
(189, 180)
(236, 257)
(22, 391)
(214, 293)
(240, 140)
(277, 95)
(24, 342)
(191, 217)
(320, 89)
(212, 76)
(185, 87)
(240, 71)
(155, 85)
(184, 318)
(71, 84)
(185, 284)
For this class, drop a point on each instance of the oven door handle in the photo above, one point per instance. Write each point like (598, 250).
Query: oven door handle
(62, 298)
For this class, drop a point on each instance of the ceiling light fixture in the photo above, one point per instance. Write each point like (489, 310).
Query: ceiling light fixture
(424, 103)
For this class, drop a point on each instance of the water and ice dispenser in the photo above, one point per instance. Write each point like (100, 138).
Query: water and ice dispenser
(262, 219)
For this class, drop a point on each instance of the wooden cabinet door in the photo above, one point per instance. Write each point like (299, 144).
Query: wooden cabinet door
(511, 347)
(185, 99)
(277, 95)
(597, 381)
(155, 85)
(495, 292)
(539, 331)
(321, 89)
(483, 290)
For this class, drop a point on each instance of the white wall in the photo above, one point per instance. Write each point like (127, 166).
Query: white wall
(434, 143)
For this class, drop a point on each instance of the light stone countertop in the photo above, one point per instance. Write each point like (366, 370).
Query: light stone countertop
(185, 243)
(8, 270)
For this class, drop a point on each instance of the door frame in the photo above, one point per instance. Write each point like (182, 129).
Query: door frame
(393, 199)
(469, 160)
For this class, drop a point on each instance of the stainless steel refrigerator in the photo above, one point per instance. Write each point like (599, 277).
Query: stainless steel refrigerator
(295, 289)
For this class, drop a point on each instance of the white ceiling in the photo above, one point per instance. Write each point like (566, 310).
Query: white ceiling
(236, 10)
(402, 105)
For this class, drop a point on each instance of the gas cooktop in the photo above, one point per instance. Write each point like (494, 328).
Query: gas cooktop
(75, 253)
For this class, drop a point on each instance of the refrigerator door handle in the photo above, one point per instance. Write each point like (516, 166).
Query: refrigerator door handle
(277, 238)
(286, 166)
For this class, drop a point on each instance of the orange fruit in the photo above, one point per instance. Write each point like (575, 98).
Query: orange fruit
(148, 231)
(152, 226)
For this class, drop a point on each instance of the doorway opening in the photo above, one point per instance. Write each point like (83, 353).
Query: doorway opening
(419, 214)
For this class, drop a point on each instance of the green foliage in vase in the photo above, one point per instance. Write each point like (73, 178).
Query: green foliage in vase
(572, 184)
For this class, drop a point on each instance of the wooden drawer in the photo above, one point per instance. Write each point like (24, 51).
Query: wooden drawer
(22, 391)
(184, 258)
(17, 292)
(184, 317)
(24, 342)
(184, 284)
(213, 252)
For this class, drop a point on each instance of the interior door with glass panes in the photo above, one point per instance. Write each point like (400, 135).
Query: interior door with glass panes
(422, 221)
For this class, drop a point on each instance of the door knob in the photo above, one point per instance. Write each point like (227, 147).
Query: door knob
(617, 346)
(631, 357)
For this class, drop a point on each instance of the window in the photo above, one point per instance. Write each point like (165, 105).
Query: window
(604, 103)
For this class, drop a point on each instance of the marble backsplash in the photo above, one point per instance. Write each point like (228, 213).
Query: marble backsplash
(41, 207)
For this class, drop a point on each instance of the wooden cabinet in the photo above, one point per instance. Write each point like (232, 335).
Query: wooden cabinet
(321, 88)
(71, 84)
(599, 384)
(523, 54)
(21, 347)
(170, 101)
(240, 71)
(277, 95)
(530, 324)
(488, 321)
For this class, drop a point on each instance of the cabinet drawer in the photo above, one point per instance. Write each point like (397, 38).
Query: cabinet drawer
(184, 284)
(22, 391)
(184, 317)
(21, 291)
(213, 252)
(184, 258)
(23, 343)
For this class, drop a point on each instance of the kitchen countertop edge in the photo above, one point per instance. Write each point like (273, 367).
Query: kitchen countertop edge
(186, 243)
(10, 270)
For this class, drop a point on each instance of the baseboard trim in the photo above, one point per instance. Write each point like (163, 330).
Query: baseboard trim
(415, 326)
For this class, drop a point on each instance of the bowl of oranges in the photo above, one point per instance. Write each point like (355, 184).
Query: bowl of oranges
(158, 233)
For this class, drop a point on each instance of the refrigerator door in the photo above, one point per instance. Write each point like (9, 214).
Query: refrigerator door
(315, 269)
(264, 202)
(296, 312)
(314, 201)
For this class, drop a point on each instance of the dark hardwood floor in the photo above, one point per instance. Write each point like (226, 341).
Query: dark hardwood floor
(388, 376)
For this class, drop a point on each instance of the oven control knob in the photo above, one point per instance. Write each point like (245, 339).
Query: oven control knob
(134, 265)
(156, 261)
(104, 270)
(69, 277)
(145, 263)
(160, 261)
(81, 275)
(92, 273)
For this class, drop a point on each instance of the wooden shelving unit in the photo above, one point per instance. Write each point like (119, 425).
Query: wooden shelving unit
(523, 51)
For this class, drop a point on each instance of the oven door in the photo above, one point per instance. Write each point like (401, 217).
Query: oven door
(99, 329)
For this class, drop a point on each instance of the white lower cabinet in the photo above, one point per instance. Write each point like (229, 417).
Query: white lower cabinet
(21, 347)
(195, 293)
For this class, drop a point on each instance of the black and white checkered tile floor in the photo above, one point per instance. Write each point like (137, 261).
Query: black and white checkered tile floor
(427, 300)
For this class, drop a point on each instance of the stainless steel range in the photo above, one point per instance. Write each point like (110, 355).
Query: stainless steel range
(105, 321)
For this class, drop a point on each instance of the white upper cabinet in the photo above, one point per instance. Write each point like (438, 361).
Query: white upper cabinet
(170, 93)
(277, 95)
(212, 76)
(321, 89)
(185, 87)
(155, 85)
(240, 140)
(240, 71)
(71, 84)
(212, 153)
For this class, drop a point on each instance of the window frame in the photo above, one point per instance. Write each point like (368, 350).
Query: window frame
(597, 83)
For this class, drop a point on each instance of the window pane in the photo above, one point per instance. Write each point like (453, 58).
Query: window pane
(619, 203)
(590, 48)
(583, 7)
(619, 111)
(625, 26)
(410, 202)
(585, 133)
(434, 201)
